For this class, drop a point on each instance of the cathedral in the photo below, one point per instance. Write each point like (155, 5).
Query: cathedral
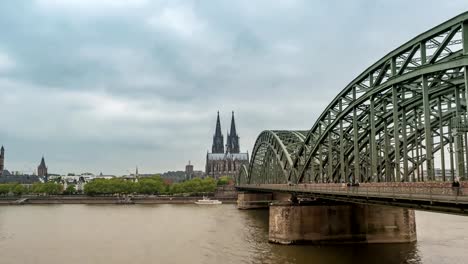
(220, 163)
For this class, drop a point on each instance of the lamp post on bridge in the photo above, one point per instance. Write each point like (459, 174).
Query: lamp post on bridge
(459, 128)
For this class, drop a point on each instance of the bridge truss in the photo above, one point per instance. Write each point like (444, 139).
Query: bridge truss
(399, 120)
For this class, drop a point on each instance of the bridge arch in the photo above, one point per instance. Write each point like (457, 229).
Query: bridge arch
(399, 120)
(272, 157)
(243, 176)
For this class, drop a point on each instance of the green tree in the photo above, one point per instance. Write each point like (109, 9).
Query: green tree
(5, 188)
(50, 188)
(224, 180)
(37, 188)
(19, 189)
(111, 186)
(196, 185)
(70, 189)
(177, 188)
(151, 185)
(209, 184)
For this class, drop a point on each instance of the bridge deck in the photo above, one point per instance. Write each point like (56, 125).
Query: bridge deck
(431, 198)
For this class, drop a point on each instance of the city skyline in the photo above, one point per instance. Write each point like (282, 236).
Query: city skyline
(107, 85)
(31, 170)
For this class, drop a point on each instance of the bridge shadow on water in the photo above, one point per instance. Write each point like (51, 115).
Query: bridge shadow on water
(257, 235)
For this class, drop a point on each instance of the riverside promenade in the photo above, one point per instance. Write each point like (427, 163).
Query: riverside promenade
(83, 199)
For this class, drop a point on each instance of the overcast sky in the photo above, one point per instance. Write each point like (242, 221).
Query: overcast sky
(107, 85)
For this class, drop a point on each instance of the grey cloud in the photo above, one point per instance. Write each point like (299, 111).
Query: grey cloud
(107, 85)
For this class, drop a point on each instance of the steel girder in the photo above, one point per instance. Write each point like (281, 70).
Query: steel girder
(399, 120)
(272, 157)
(243, 175)
(390, 121)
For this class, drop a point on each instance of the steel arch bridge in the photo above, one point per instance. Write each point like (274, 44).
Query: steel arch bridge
(402, 119)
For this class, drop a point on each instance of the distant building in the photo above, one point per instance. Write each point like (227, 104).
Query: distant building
(42, 169)
(103, 176)
(198, 174)
(15, 177)
(220, 163)
(21, 179)
(189, 171)
(131, 178)
(173, 176)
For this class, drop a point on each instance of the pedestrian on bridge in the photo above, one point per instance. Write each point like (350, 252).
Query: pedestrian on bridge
(456, 186)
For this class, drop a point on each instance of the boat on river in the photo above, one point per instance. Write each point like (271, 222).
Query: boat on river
(208, 201)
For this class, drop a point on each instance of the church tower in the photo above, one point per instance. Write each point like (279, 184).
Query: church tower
(2, 160)
(229, 163)
(233, 138)
(218, 139)
(42, 168)
(228, 142)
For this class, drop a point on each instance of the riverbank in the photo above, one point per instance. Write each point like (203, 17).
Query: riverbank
(83, 199)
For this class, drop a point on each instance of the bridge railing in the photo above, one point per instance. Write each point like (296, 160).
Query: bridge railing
(431, 193)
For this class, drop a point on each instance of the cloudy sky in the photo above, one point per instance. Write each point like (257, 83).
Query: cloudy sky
(107, 85)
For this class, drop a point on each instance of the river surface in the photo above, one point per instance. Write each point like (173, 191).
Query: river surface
(197, 234)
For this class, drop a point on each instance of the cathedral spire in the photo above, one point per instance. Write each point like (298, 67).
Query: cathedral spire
(233, 138)
(218, 139)
(233, 126)
(218, 127)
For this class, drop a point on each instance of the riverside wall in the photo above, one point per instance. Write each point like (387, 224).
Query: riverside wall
(82, 199)
(227, 194)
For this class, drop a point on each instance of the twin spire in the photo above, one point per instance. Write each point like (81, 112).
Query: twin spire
(232, 145)
(218, 139)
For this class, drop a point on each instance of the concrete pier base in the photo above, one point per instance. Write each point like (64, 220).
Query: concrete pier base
(246, 200)
(323, 224)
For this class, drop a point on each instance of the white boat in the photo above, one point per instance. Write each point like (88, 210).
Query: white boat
(207, 200)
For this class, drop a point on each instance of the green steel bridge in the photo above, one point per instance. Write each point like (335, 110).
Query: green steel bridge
(403, 120)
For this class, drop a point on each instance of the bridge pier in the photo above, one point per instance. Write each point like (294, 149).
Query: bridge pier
(256, 200)
(340, 223)
(253, 200)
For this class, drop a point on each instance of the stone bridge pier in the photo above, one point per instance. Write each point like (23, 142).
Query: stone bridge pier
(324, 222)
(257, 200)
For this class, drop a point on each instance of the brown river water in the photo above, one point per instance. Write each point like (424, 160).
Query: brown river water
(72, 234)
